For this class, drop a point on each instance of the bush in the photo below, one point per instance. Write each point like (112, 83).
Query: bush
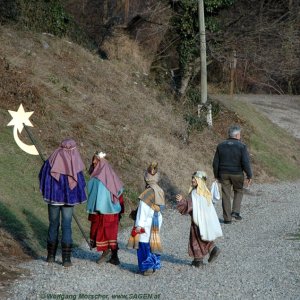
(199, 122)
(44, 16)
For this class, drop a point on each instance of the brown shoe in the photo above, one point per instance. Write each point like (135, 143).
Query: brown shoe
(103, 256)
(214, 254)
(148, 272)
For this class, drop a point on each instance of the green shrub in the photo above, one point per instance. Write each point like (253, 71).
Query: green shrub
(45, 16)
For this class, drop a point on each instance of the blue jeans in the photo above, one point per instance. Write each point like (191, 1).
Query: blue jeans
(54, 212)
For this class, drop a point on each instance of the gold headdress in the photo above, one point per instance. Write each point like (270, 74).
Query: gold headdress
(200, 177)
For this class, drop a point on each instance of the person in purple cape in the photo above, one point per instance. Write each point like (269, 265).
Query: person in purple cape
(62, 185)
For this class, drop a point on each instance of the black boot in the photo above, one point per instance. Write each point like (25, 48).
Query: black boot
(197, 262)
(51, 247)
(114, 257)
(66, 255)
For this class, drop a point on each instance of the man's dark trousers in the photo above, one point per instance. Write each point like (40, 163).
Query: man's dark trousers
(236, 181)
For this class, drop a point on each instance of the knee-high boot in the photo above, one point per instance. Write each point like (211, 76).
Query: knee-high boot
(51, 247)
(66, 254)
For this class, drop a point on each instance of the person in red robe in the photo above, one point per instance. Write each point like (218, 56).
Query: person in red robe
(105, 206)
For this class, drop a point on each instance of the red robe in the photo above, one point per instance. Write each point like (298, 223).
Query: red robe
(104, 229)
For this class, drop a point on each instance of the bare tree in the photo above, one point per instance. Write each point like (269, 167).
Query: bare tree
(266, 36)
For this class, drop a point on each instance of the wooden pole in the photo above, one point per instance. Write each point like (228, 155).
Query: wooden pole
(126, 11)
(232, 72)
(202, 52)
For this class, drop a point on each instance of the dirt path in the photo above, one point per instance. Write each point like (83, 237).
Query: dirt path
(281, 110)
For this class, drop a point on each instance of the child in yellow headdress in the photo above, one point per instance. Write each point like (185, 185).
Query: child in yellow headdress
(205, 225)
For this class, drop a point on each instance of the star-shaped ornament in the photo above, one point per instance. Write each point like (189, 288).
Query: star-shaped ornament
(19, 118)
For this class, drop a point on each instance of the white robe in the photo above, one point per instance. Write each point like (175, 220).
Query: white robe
(144, 219)
(205, 217)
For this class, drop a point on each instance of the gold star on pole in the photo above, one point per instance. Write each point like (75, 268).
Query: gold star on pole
(19, 118)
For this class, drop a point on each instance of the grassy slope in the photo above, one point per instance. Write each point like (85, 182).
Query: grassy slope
(106, 105)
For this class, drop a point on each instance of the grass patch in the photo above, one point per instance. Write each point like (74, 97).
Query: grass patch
(11, 223)
(277, 163)
(294, 236)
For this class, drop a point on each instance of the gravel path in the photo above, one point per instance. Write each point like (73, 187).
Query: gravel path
(260, 259)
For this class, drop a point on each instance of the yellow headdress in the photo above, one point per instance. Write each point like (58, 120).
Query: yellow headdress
(202, 190)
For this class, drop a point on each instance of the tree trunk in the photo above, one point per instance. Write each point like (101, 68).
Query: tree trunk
(232, 72)
(185, 80)
(192, 69)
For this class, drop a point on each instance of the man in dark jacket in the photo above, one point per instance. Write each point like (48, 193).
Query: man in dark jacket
(230, 162)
